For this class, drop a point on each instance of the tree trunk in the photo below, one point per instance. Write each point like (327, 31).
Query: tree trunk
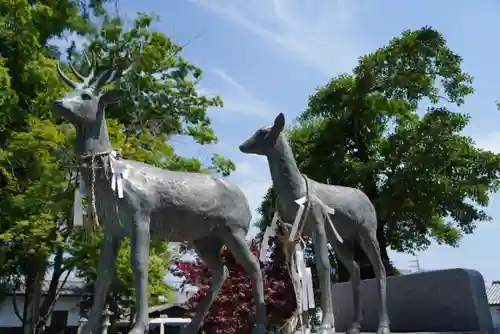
(33, 292)
(51, 295)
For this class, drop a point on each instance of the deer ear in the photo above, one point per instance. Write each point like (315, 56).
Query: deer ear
(110, 97)
(279, 123)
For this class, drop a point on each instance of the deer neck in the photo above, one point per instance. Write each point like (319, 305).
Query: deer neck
(92, 139)
(287, 180)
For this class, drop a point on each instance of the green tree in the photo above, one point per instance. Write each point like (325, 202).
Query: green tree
(392, 128)
(36, 150)
(121, 298)
(29, 83)
(33, 214)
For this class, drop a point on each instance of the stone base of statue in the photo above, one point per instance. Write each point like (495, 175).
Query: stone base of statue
(441, 301)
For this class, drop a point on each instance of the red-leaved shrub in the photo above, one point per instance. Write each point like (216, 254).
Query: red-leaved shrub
(233, 311)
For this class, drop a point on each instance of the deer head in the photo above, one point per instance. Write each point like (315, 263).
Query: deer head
(85, 104)
(264, 139)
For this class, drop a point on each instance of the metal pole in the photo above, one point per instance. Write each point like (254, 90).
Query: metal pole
(81, 324)
(106, 321)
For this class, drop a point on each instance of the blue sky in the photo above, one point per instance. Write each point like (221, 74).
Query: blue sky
(267, 56)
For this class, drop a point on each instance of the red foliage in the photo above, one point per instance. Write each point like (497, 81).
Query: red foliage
(233, 311)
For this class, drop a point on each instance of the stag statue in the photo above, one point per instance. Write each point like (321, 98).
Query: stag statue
(354, 220)
(152, 204)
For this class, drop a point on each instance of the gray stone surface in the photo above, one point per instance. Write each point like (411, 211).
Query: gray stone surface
(452, 300)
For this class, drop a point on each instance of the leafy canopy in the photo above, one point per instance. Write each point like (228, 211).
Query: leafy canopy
(36, 150)
(33, 186)
(392, 128)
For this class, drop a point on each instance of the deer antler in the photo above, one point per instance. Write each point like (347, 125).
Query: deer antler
(93, 65)
(65, 77)
(106, 77)
(85, 80)
(76, 73)
(113, 74)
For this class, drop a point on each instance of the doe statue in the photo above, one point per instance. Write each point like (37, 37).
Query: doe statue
(335, 215)
(146, 203)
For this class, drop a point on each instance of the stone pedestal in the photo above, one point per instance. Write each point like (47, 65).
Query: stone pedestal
(442, 301)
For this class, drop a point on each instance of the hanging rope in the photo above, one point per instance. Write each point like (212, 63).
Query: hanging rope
(91, 220)
(288, 247)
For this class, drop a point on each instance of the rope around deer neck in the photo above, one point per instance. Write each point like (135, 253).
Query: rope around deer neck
(92, 222)
(285, 238)
(93, 211)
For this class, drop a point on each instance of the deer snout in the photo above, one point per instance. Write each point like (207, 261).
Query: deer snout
(245, 148)
(59, 109)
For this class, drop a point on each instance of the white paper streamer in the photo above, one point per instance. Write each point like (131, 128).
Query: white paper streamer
(305, 280)
(119, 185)
(306, 290)
(299, 255)
(331, 211)
(117, 177)
(113, 182)
(304, 294)
(296, 272)
(298, 217)
(270, 232)
(77, 204)
(310, 288)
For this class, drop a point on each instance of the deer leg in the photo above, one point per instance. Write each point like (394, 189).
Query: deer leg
(371, 247)
(235, 242)
(345, 253)
(208, 249)
(105, 273)
(139, 257)
(320, 242)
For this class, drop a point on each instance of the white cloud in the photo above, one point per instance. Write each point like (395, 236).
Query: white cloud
(319, 33)
(236, 97)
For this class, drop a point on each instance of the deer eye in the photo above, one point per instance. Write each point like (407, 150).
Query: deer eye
(86, 96)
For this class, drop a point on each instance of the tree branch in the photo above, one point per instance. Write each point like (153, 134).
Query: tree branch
(16, 307)
(58, 293)
(51, 295)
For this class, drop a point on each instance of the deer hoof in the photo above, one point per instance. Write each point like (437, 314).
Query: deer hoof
(383, 330)
(326, 329)
(355, 328)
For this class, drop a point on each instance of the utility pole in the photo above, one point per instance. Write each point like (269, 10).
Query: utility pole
(415, 264)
